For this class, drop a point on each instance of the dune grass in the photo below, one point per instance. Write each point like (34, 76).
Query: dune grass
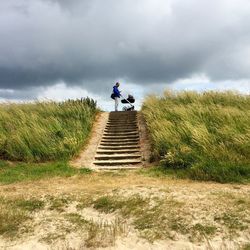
(35, 132)
(35, 171)
(208, 134)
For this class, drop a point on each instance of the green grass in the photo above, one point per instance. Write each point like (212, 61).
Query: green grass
(14, 213)
(11, 220)
(153, 218)
(162, 172)
(208, 134)
(232, 221)
(99, 234)
(36, 171)
(246, 247)
(107, 204)
(161, 218)
(127, 207)
(76, 219)
(30, 205)
(59, 203)
(46, 131)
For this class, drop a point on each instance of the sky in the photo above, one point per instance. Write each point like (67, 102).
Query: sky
(60, 49)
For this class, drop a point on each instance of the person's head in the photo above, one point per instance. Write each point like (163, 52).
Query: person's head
(117, 84)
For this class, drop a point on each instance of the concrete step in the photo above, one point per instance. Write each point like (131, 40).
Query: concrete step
(122, 115)
(119, 140)
(117, 157)
(118, 151)
(114, 116)
(114, 144)
(114, 113)
(120, 136)
(118, 162)
(116, 138)
(122, 124)
(120, 133)
(118, 119)
(124, 167)
(111, 136)
(131, 119)
(120, 130)
(116, 133)
(119, 147)
(123, 119)
(121, 127)
(125, 129)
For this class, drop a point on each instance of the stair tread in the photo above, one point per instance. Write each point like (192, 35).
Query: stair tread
(114, 159)
(101, 150)
(122, 133)
(120, 137)
(121, 143)
(126, 167)
(120, 155)
(124, 147)
(118, 151)
(134, 121)
(117, 162)
(119, 147)
(120, 130)
(118, 134)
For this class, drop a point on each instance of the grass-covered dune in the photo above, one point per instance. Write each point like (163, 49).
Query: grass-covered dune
(207, 134)
(45, 131)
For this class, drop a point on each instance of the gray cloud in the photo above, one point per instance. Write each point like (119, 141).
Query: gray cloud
(93, 43)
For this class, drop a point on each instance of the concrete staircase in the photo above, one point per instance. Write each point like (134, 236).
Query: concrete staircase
(120, 144)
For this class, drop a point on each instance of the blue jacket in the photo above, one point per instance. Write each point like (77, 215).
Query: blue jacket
(116, 91)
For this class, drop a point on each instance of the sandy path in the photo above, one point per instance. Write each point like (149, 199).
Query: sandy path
(86, 157)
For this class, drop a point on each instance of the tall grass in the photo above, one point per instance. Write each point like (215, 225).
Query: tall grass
(206, 133)
(45, 131)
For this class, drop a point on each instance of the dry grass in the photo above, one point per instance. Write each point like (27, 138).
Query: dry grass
(100, 208)
(208, 134)
(44, 131)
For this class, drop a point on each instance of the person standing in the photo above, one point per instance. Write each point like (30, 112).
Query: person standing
(117, 95)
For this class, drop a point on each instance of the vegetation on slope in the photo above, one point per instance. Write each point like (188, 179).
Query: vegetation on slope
(208, 134)
(11, 173)
(35, 132)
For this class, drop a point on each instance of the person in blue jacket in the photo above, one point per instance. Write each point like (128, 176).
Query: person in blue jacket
(117, 95)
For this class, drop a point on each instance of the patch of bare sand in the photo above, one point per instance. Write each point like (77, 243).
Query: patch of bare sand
(86, 157)
(104, 182)
(200, 201)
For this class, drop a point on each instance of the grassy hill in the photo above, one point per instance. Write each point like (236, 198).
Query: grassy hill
(207, 134)
(35, 132)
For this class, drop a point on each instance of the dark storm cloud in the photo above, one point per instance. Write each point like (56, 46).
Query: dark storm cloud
(93, 43)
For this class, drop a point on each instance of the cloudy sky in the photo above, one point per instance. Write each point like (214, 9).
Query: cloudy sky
(57, 49)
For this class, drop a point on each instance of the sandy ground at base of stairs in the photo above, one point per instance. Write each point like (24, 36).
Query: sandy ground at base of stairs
(87, 156)
(195, 195)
